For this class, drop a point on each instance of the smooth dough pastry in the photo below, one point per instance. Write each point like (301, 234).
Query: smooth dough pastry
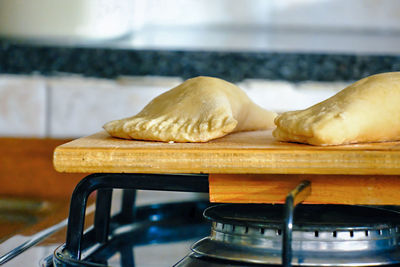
(366, 111)
(198, 110)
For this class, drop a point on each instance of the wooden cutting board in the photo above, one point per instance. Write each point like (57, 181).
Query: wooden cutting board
(240, 153)
(250, 167)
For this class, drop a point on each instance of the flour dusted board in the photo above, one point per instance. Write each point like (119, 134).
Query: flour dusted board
(239, 153)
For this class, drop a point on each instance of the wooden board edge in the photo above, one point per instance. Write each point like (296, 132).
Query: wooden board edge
(326, 189)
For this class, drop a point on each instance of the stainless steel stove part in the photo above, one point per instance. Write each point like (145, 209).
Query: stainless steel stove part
(195, 260)
(156, 224)
(323, 235)
(295, 197)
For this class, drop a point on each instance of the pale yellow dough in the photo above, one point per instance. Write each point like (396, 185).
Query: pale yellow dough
(366, 111)
(198, 110)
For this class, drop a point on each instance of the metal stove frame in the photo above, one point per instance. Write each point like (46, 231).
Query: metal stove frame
(76, 241)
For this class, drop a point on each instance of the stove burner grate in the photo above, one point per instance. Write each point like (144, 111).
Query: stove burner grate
(236, 228)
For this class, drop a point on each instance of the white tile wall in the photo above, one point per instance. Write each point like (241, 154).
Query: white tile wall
(362, 15)
(22, 106)
(291, 96)
(81, 106)
(69, 107)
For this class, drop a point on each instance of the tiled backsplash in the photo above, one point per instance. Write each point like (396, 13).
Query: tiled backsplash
(22, 106)
(73, 106)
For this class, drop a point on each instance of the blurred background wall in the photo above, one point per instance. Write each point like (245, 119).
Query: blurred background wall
(297, 51)
(359, 15)
(66, 106)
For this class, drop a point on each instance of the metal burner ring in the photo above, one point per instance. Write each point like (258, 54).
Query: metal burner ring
(316, 243)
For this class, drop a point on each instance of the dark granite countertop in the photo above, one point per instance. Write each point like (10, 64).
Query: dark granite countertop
(22, 58)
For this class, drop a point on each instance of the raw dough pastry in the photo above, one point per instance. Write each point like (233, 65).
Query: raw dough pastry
(366, 111)
(198, 110)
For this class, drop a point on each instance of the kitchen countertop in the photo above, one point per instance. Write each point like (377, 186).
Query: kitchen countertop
(263, 61)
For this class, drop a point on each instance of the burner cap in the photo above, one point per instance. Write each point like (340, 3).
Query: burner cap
(306, 217)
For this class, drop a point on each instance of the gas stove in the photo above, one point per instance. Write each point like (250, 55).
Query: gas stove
(195, 232)
(199, 233)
